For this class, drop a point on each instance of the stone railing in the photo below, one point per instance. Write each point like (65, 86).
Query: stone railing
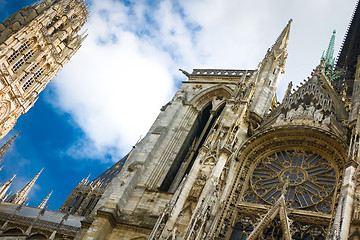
(221, 72)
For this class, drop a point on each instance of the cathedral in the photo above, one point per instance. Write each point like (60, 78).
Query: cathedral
(224, 159)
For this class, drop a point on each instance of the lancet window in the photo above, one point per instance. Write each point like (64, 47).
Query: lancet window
(22, 54)
(21, 49)
(190, 148)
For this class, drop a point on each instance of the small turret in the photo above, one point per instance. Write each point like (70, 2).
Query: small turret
(21, 196)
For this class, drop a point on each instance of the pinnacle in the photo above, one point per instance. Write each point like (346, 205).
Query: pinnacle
(43, 203)
(7, 145)
(21, 196)
(281, 42)
(329, 56)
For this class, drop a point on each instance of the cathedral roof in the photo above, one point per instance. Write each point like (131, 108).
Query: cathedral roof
(350, 50)
(106, 177)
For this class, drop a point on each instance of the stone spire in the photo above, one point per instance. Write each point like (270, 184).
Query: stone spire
(268, 77)
(6, 146)
(281, 43)
(21, 196)
(5, 187)
(43, 203)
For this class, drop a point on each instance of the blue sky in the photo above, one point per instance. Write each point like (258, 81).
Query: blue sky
(111, 91)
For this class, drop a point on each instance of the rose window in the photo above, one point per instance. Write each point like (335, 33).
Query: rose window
(310, 179)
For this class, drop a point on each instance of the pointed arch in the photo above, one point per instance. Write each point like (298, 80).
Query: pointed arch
(199, 111)
(216, 95)
(190, 148)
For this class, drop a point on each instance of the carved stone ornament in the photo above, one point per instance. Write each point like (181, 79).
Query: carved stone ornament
(304, 115)
(197, 187)
(4, 109)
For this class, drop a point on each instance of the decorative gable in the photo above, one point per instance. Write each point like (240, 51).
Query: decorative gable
(314, 104)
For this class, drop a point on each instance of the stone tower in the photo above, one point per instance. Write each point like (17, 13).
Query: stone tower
(35, 43)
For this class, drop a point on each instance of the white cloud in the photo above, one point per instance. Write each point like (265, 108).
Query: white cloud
(115, 85)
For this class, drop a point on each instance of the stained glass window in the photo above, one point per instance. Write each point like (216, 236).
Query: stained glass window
(311, 179)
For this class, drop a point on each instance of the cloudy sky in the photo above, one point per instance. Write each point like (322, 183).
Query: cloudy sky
(111, 91)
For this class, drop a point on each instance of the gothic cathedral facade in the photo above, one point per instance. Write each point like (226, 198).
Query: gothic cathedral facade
(223, 160)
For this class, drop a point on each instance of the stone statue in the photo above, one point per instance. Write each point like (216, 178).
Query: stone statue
(197, 187)
(290, 115)
(299, 111)
(280, 120)
(310, 110)
(326, 121)
(318, 116)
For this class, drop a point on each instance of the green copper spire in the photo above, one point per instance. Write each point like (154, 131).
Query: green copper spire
(329, 56)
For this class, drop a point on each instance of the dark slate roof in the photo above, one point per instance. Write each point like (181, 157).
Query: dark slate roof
(350, 50)
(106, 177)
